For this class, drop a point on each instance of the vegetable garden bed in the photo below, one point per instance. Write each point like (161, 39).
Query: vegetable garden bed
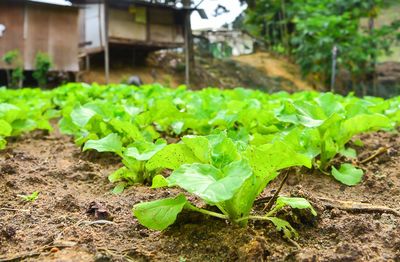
(76, 216)
(69, 181)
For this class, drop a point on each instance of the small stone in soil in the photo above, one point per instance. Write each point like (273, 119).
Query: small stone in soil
(8, 232)
(100, 212)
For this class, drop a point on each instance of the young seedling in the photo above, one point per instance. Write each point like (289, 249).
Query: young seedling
(30, 198)
(134, 157)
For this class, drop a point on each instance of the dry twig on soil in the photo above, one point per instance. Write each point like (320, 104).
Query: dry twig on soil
(16, 210)
(381, 150)
(23, 256)
(294, 243)
(116, 254)
(350, 206)
(357, 207)
(20, 257)
(97, 222)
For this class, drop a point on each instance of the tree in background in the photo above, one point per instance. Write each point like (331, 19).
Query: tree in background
(15, 77)
(42, 64)
(309, 29)
(272, 20)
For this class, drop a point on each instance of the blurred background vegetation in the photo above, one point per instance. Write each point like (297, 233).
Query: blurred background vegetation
(365, 33)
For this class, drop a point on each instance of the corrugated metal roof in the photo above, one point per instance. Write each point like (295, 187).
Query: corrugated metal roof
(53, 2)
(61, 3)
(151, 3)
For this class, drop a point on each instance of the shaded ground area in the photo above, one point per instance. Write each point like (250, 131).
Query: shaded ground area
(387, 85)
(257, 71)
(122, 74)
(63, 223)
(260, 70)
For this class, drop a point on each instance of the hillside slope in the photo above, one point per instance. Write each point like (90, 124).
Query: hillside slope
(276, 67)
(258, 71)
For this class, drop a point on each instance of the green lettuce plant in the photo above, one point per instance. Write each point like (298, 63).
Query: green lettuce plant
(324, 127)
(22, 111)
(134, 157)
(226, 174)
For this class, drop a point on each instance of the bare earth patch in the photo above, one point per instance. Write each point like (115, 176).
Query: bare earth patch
(77, 218)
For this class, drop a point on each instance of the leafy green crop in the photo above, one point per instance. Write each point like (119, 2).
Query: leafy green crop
(223, 146)
(22, 111)
(315, 125)
(227, 174)
(134, 156)
(324, 126)
(30, 198)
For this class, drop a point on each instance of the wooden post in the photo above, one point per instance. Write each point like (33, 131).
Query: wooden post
(187, 32)
(147, 24)
(371, 26)
(268, 37)
(189, 55)
(190, 40)
(106, 49)
(281, 29)
(334, 56)
(87, 62)
(8, 75)
(285, 28)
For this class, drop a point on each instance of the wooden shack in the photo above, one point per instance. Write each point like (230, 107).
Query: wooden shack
(31, 27)
(133, 23)
(142, 25)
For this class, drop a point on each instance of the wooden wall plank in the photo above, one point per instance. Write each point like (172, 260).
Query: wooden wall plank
(161, 16)
(49, 28)
(12, 16)
(64, 39)
(123, 25)
(38, 33)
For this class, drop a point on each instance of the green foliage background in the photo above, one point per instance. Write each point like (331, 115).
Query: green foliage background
(308, 30)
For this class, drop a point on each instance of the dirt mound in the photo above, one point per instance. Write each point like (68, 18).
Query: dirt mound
(276, 67)
(257, 71)
(121, 74)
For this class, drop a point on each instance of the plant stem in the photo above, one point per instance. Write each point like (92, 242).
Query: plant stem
(320, 168)
(276, 208)
(222, 210)
(210, 213)
(272, 200)
(253, 217)
(323, 171)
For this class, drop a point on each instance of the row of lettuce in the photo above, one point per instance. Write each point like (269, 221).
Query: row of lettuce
(232, 142)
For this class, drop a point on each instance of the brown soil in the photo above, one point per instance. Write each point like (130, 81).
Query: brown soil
(276, 67)
(260, 70)
(74, 192)
(121, 74)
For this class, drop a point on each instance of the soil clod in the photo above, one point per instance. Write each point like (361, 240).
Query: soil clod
(99, 211)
